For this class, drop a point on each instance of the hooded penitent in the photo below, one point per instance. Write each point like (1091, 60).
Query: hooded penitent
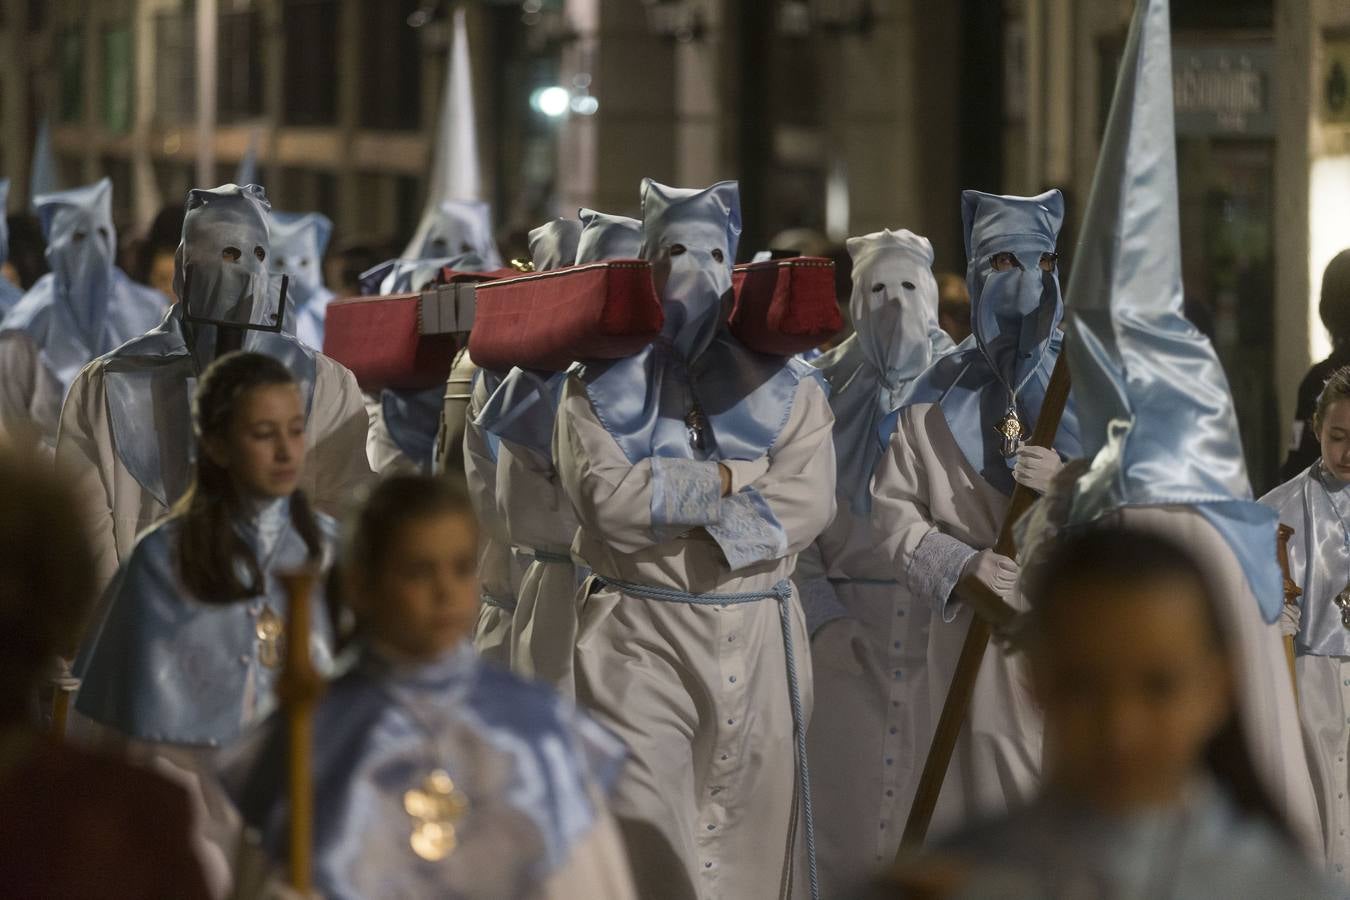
(896, 337)
(9, 292)
(554, 244)
(299, 241)
(1156, 414)
(523, 407)
(992, 386)
(452, 233)
(227, 302)
(85, 306)
(456, 235)
(695, 392)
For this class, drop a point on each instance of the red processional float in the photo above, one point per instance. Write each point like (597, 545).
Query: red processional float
(550, 320)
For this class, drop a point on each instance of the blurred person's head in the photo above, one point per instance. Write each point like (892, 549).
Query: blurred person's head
(1331, 424)
(46, 577)
(954, 305)
(155, 254)
(343, 267)
(1334, 307)
(409, 566)
(27, 261)
(1130, 664)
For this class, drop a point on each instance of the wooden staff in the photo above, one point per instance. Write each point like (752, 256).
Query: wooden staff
(957, 705)
(1291, 594)
(300, 689)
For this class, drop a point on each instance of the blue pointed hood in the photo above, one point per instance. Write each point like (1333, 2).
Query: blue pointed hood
(607, 237)
(1156, 412)
(1014, 341)
(554, 244)
(684, 232)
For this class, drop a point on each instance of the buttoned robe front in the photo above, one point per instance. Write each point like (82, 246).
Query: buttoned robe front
(499, 571)
(873, 716)
(708, 802)
(933, 513)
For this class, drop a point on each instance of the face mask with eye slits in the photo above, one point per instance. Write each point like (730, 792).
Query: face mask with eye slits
(222, 276)
(693, 285)
(81, 249)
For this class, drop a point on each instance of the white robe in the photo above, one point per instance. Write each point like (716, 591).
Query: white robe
(699, 693)
(873, 718)
(933, 513)
(119, 508)
(385, 456)
(30, 395)
(499, 570)
(540, 526)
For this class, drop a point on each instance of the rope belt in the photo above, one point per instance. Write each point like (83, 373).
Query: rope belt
(782, 592)
(548, 556)
(501, 603)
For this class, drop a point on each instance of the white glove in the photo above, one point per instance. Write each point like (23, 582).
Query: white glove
(1291, 617)
(1036, 467)
(996, 572)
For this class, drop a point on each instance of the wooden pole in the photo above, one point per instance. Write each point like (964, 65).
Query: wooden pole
(300, 690)
(1291, 594)
(977, 638)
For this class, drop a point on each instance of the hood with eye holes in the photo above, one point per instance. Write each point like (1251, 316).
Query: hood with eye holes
(455, 228)
(643, 401)
(85, 306)
(896, 336)
(554, 244)
(299, 241)
(1015, 338)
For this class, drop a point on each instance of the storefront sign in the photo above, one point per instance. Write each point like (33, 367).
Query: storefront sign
(1222, 91)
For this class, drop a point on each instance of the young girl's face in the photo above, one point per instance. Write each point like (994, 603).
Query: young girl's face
(1334, 436)
(1133, 690)
(424, 598)
(264, 448)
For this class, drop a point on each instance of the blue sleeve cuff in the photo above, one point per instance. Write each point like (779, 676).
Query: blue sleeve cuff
(819, 603)
(747, 530)
(935, 568)
(685, 492)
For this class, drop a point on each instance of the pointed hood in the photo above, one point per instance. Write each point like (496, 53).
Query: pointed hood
(896, 337)
(42, 167)
(690, 237)
(247, 171)
(1157, 415)
(554, 244)
(1016, 305)
(455, 171)
(452, 228)
(221, 268)
(81, 251)
(605, 237)
(299, 241)
(894, 307)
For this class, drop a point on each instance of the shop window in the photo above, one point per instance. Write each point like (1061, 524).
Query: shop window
(391, 66)
(311, 35)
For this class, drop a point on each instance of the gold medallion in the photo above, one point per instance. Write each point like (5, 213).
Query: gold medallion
(435, 809)
(1342, 601)
(269, 628)
(1009, 429)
